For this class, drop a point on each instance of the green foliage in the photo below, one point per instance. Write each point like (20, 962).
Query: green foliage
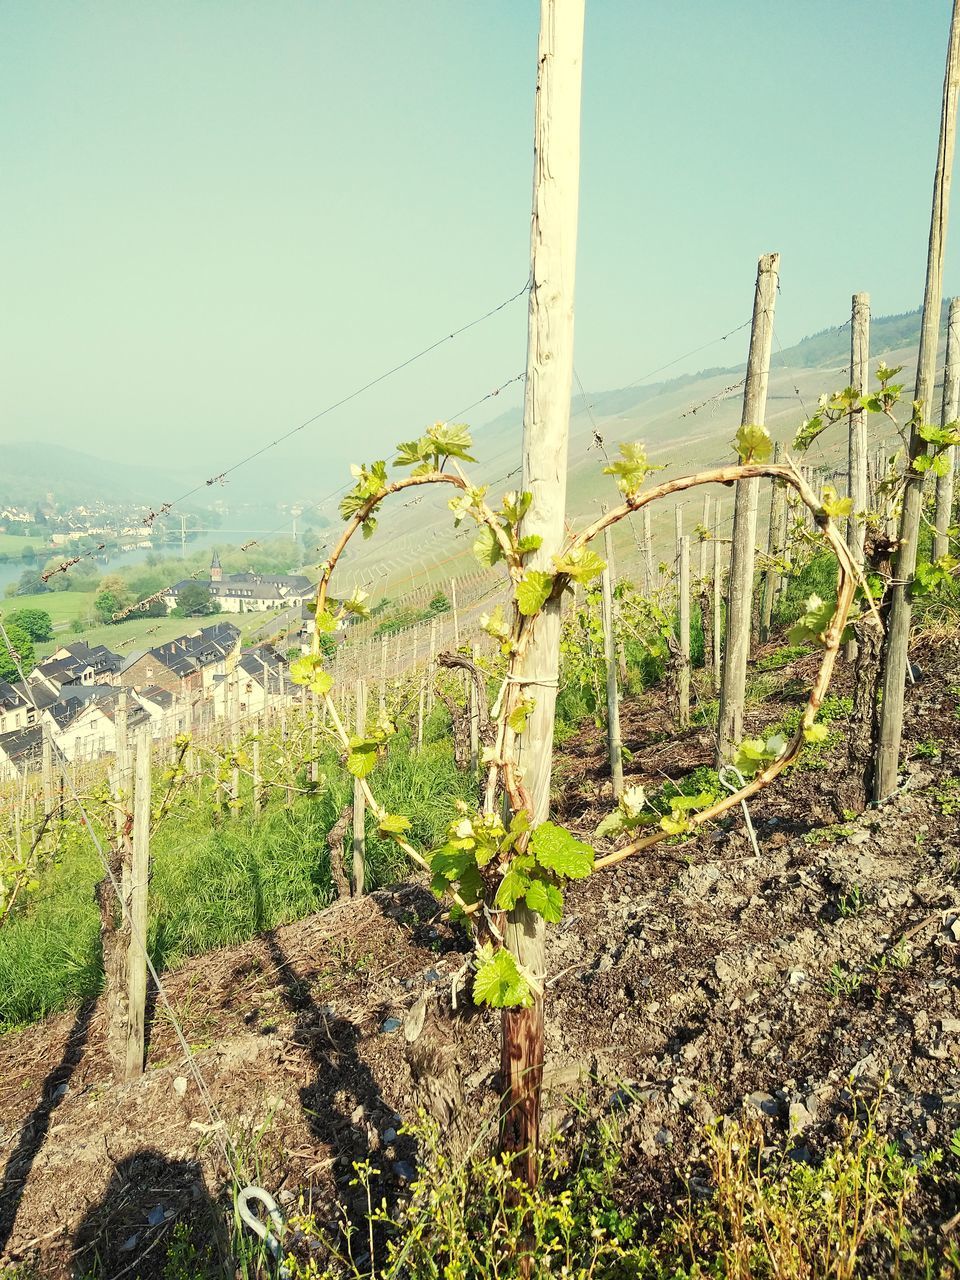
(858, 1211)
(308, 671)
(498, 981)
(441, 441)
(533, 591)
(37, 623)
(754, 754)
(813, 624)
(16, 653)
(753, 444)
(630, 469)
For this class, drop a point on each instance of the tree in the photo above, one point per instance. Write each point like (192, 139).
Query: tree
(106, 604)
(23, 650)
(193, 601)
(36, 622)
(31, 584)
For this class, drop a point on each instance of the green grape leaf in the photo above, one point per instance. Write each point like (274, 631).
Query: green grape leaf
(580, 565)
(529, 542)
(630, 469)
(546, 899)
(557, 850)
(611, 825)
(499, 983)
(394, 824)
(753, 444)
(451, 440)
(512, 888)
(362, 757)
(833, 505)
(533, 591)
(517, 719)
(486, 548)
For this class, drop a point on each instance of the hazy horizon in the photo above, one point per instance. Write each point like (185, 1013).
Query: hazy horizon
(221, 221)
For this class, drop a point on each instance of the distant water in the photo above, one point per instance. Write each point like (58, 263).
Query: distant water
(11, 570)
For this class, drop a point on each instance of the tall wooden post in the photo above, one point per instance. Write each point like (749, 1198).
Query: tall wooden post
(431, 664)
(743, 548)
(717, 592)
(546, 423)
(383, 675)
(456, 613)
(949, 413)
(905, 564)
(705, 525)
(775, 541)
(359, 804)
(857, 454)
(683, 618)
(474, 715)
(614, 736)
(46, 770)
(256, 781)
(649, 579)
(139, 883)
(420, 705)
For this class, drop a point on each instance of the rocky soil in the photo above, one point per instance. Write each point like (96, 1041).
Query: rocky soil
(701, 979)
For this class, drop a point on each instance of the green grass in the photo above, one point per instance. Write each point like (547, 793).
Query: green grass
(14, 547)
(214, 881)
(62, 606)
(142, 633)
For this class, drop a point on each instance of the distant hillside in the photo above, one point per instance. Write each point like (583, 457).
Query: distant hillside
(31, 470)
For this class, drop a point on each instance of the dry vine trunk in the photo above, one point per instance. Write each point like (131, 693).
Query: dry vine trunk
(335, 840)
(856, 786)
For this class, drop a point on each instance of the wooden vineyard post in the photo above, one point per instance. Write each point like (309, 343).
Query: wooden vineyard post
(649, 582)
(614, 737)
(139, 884)
(234, 679)
(717, 593)
(420, 704)
(474, 716)
(776, 536)
(705, 525)
(456, 613)
(46, 771)
(431, 663)
(905, 563)
(256, 781)
(858, 489)
(683, 615)
(383, 675)
(733, 681)
(546, 423)
(359, 810)
(949, 412)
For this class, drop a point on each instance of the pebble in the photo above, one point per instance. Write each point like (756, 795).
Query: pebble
(764, 1102)
(391, 1024)
(405, 1170)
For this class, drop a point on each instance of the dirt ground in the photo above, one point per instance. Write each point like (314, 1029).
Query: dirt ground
(697, 980)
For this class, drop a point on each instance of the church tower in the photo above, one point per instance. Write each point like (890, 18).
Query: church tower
(216, 573)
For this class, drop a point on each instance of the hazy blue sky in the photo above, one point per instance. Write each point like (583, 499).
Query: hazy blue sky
(219, 215)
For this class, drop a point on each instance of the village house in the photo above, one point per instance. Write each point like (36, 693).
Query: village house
(20, 752)
(247, 592)
(16, 709)
(82, 722)
(188, 664)
(168, 714)
(262, 680)
(104, 664)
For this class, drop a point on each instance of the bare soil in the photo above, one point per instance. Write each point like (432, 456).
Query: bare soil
(698, 980)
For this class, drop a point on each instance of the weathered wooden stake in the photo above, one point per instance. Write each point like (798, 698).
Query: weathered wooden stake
(546, 421)
(683, 614)
(456, 613)
(905, 564)
(743, 549)
(256, 781)
(359, 804)
(949, 413)
(614, 736)
(139, 884)
(717, 586)
(776, 537)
